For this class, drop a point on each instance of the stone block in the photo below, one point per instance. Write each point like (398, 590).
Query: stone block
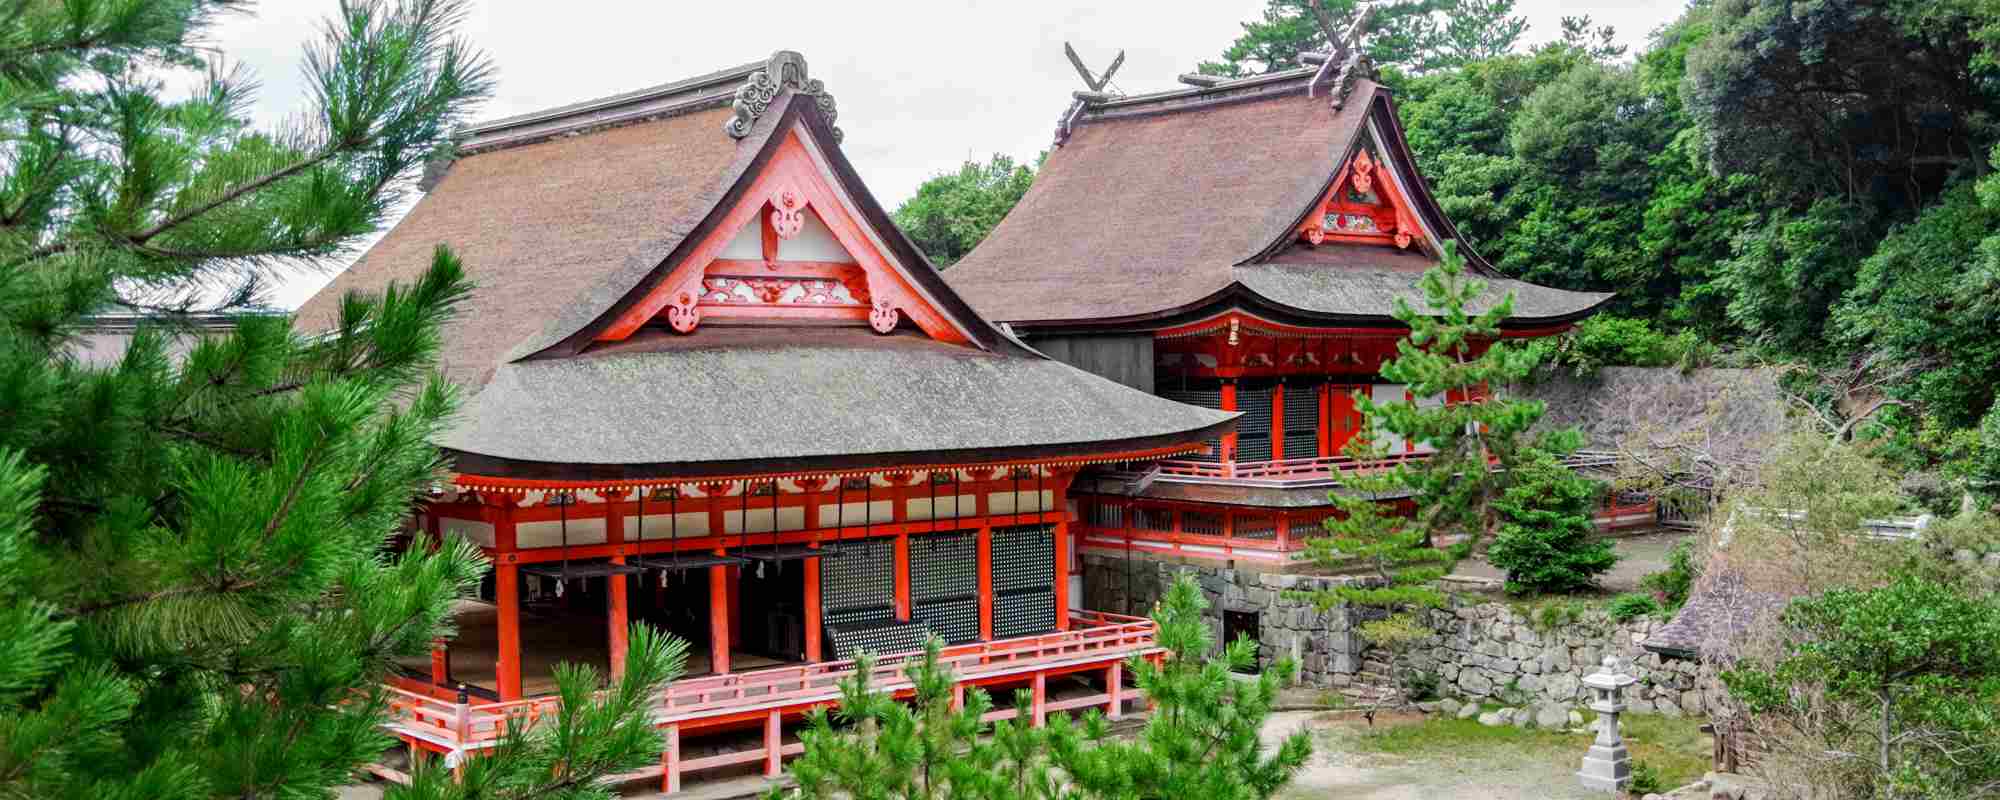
(1493, 719)
(1468, 711)
(1474, 683)
(1550, 717)
(1449, 706)
(1605, 769)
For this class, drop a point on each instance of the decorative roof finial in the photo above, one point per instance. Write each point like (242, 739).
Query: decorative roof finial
(1096, 93)
(1346, 57)
(785, 70)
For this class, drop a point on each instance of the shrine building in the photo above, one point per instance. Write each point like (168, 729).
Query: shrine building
(1237, 245)
(710, 386)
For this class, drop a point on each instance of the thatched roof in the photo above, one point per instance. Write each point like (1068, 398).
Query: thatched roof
(1163, 204)
(567, 219)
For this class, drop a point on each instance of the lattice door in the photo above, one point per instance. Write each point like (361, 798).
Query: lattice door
(944, 585)
(1024, 571)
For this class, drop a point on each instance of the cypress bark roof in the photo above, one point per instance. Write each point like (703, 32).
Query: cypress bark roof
(743, 398)
(570, 218)
(1162, 204)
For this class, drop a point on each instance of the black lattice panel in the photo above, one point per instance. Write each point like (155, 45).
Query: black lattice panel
(1253, 429)
(860, 617)
(862, 576)
(1024, 612)
(1206, 399)
(943, 566)
(1024, 557)
(900, 637)
(956, 620)
(1301, 421)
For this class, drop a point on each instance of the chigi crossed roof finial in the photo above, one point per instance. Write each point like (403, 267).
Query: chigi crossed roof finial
(1346, 57)
(1095, 94)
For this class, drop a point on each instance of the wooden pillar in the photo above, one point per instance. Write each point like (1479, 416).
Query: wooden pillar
(774, 745)
(1062, 574)
(1041, 698)
(507, 595)
(902, 588)
(1326, 420)
(1229, 439)
(670, 760)
(813, 634)
(1278, 422)
(985, 539)
(719, 617)
(440, 663)
(1114, 686)
(615, 601)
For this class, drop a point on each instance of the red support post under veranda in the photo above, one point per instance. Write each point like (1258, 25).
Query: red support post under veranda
(719, 621)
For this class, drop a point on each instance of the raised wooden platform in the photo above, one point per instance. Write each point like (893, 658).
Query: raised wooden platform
(431, 719)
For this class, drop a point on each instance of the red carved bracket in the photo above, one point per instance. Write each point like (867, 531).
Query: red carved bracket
(883, 317)
(682, 314)
(787, 213)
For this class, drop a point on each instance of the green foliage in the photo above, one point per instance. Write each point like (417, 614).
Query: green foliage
(1611, 341)
(197, 596)
(1444, 356)
(1545, 543)
(1201, 739)
(1368, 531)
(951, 213)
(1930, 294)
(1631, 606)
(567, 755)
(874, 745)
(1551, 613)
(1908, 675)
(1645, 780)
(1412, 35)
(1670, 586)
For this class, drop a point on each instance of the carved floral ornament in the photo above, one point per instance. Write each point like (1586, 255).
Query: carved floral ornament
(1357, 209)
(785, 70)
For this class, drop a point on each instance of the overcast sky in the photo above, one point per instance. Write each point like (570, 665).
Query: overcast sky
(921, 85)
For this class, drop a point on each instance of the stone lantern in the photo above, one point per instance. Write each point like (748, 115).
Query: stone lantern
(1607, 767)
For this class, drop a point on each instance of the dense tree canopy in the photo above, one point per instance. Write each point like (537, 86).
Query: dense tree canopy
(952, 212)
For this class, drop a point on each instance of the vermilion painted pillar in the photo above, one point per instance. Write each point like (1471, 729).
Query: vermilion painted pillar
(1114, 685)
(507, 594)
(1041, 698)
(670, 759)
(1062, 575)
(440, 663)
(1278, 422)
(1229, 439)
(774, 744)
(616, 602)
(1325, 420)
(813, 634)
(903, 577)
(985, 539)
(734, 586)
(719, 618)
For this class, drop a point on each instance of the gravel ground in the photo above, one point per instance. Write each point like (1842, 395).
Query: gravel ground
(1637, 556)
(1338, 771)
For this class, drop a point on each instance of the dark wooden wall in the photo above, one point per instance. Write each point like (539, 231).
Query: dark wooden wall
(1125, 358)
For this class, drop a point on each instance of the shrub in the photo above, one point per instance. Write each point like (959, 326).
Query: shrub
(1670, 586)
(1607, 341)
(1645, 780)
(1631, 606)
(1545, 542)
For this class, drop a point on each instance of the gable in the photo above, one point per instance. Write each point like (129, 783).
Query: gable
(1366, 203)
(793, 249)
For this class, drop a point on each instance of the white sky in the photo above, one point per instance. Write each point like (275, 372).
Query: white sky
(921, 85)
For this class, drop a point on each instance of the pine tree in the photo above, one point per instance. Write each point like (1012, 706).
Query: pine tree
(1545, 542)
(1369, 533)
(1456, 353)
(876, 746)
(588, 737)
(198, 593)
(1203, 739)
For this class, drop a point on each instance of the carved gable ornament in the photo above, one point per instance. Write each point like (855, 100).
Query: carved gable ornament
(785, 70)
(1363, 206)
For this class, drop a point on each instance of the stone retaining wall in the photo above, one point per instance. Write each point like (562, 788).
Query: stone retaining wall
(1484, 651)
